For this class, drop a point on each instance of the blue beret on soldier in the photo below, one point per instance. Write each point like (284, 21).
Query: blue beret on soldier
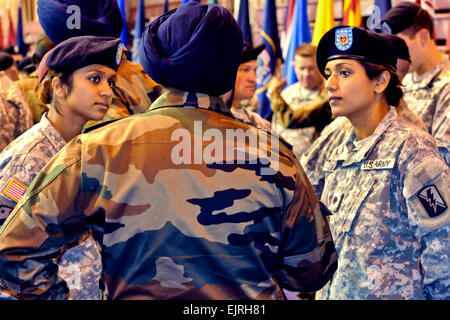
(401, 17)
(96, 18)
(344, 42)
(195, 48)
(79, 52)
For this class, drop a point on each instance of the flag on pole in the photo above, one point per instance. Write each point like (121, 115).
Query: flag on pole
(139, 28)
(352, 13)
(287, 32)
(379, 10)
(186, 1)
(324, 20)
(244, 22)
(166, 6)
(269, 61)
(124, 34)
(384, 5)
(1, 32)
(300, 35)
(11, 40)
(22, 47)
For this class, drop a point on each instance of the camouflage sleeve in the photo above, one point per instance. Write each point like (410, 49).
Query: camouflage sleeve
(427, 194)
(46, 219)
(440, 128)
(309, 257)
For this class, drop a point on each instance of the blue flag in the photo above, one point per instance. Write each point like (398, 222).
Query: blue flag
(139, 28)
(269, 61)
(244, 22)
(300, 34)
(166, 6)
(19, 40)
(379, 10)
(186, 1)
(384, 5)
(124, 34)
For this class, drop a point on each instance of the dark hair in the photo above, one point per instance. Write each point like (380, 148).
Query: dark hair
(45, 89)
(393, 91)
(422, 20)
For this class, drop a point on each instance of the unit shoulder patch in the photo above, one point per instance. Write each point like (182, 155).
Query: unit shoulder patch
(432, 201)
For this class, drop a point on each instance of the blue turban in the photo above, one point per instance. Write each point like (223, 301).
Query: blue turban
(196, 48)
(97, 18)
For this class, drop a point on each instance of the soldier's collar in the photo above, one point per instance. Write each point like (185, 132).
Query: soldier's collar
(356, 152)
(176, 98)
(425, 79)
(51, 133)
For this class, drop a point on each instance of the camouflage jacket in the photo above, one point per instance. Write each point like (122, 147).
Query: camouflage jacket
(389, 197)
(294, 104)
(15, 114)
(134, 92)
(251, 118)
(332, 136)
(173, 219)
(429, 97)
(21, 161)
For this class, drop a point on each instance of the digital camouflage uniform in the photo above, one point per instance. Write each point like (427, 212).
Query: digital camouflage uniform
(15, 115)
(251, 118)
(293, 103)
(204, 229)
(20, 162)
(389, 196)
(332, 136)
(134, 92)
(429, 97)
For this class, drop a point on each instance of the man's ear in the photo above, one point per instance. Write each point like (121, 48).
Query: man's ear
(382, 81)
(423, 36)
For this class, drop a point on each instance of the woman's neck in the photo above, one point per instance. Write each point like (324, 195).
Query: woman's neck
(67, 127)
(366, 122)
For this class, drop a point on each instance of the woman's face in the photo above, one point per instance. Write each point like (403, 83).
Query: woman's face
(91, 93)
(350, 91)
(246, 80)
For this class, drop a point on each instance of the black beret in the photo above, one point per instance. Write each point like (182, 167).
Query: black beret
(400, 46)
(6, 61)
(79, 52)
(97, 18)
(195, 48)
(250, 53)
(401, 17)
(344, 42)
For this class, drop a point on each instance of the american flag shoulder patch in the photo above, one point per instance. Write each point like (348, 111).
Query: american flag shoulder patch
(14, 190)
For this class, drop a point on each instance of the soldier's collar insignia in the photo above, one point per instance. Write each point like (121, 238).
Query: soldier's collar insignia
(14, 190)
(432, 201)
(343, 38)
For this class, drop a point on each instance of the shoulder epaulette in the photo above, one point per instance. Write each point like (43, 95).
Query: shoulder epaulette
(98, 125)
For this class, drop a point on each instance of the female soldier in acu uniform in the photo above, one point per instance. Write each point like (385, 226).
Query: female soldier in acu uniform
(386, 184)
(79, 76)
